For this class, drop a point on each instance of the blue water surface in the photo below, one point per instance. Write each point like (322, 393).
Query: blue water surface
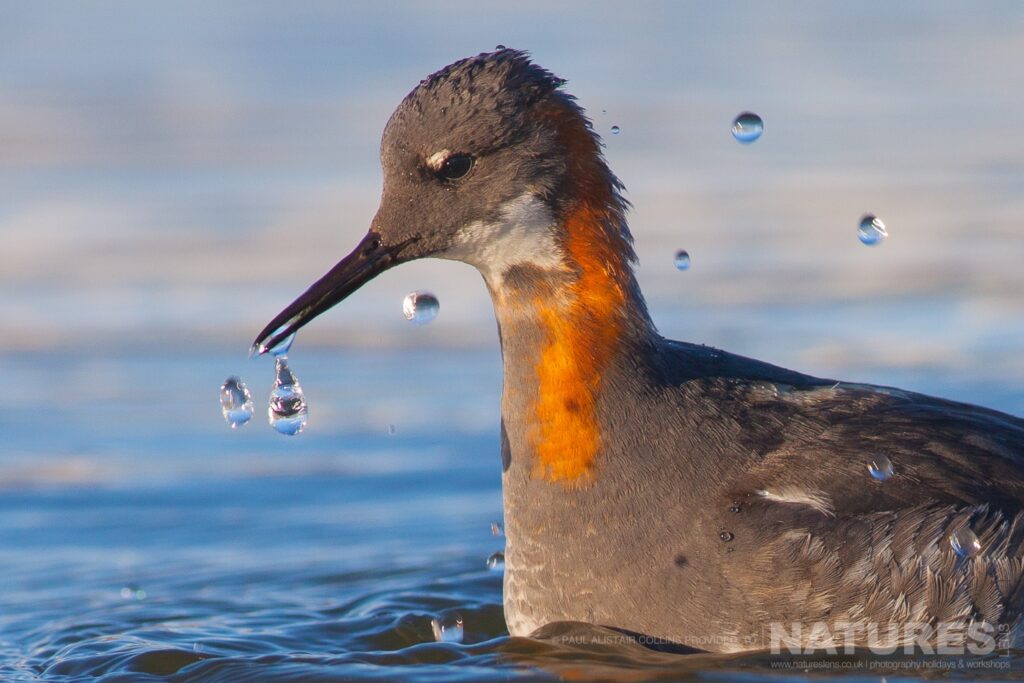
(142, 539)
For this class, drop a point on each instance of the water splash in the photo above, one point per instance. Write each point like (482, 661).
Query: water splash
(235, 402)
(287, 410)
(747, 127)
(420, 308)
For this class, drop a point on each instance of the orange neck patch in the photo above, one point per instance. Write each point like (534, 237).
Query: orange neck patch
(583, 326)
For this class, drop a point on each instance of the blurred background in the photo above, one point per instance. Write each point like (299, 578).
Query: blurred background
(173, 173)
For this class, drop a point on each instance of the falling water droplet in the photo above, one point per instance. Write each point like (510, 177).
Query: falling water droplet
(881, 468)
(448, 629)
(726, 536)
(496, 529)
(287, 411)
(392, 430)
(616, 130)
(965, 542)
(747, 127)
(235, 402)
(871, 230)
(496, 562)
(420, 307)
(500, 47)
(682, 260)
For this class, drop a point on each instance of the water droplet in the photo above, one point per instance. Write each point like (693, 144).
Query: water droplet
(392, 430)
(496, 562)
(871, 230)
(747, 127)
(881, 468)
(235, 402)
(682, 260)
(282, 347)
(965, 542)
(496, 529)
(420, 307)
(132, 593)
(616, 130)
(499, 46)
(726, 536)
(735, 508)
(287, 411)
(448, 629)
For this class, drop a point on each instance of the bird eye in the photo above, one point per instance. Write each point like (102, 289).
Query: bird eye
(455, 166)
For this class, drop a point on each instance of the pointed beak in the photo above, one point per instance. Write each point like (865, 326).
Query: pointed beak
(368, 260)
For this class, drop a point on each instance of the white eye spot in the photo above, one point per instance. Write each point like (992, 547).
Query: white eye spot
(436, 160)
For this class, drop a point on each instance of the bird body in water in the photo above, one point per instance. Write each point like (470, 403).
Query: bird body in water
(668, 489)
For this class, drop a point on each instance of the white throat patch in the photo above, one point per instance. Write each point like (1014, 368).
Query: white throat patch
(523, 235)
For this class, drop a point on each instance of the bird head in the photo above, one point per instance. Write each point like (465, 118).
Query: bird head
(485, 162)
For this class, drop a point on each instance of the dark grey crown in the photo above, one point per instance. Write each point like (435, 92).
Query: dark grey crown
(512, 68)
(492, 91)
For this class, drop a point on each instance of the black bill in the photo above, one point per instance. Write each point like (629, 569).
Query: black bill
(369, 259)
